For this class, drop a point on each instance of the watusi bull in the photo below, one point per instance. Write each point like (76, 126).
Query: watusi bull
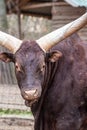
(53, 82)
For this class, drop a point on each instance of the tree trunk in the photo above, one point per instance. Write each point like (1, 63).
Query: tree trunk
(3, 18)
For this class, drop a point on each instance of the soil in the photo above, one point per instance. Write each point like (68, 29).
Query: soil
(16, 123)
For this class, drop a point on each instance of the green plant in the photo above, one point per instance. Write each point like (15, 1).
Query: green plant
(14, 112)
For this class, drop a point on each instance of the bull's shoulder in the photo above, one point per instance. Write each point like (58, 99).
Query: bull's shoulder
(73, 47)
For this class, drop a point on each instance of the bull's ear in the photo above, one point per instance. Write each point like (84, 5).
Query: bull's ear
(54, 56)
(7, 57)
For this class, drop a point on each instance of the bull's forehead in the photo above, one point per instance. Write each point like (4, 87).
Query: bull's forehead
(29, 46)
(29, 51)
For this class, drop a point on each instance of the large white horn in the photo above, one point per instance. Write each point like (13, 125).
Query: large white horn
(48, 41)
(9, 42)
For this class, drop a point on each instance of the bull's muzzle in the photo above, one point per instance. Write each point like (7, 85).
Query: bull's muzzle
(30, 95)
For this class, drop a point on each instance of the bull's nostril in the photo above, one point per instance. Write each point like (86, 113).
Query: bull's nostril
(31, 92)
(36, 93)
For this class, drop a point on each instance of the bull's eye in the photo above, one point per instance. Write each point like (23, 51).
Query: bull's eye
(17, 66)
(43, 68)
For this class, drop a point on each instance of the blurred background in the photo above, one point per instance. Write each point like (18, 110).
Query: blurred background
(29, 20)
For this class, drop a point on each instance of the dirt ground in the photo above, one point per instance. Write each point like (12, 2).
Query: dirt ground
(16, 123)
(12, 99)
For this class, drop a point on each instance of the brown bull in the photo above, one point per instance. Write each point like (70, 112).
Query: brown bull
(53, 83)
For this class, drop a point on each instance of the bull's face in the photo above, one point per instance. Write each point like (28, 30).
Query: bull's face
(30, 64)
(30, 69)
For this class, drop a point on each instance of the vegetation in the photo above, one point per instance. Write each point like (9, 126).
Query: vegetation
(14, 112)
(3, 17)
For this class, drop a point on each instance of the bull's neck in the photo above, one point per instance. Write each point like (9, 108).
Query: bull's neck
(49, 74)
(48, 78)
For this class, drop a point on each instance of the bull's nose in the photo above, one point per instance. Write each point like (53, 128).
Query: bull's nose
(31, 94)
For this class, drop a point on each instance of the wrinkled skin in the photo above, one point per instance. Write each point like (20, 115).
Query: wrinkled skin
(60, 81)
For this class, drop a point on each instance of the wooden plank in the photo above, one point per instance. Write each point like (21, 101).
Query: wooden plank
(64, 14)
(67, 14)
(12, 71)
(23, 2)
(7, 75)
(33, 5)
(10, 98)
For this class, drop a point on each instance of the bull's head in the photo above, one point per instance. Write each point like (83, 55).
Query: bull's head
(29, 57)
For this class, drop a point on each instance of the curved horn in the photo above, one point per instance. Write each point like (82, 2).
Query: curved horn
(48, 41)
(9, 42)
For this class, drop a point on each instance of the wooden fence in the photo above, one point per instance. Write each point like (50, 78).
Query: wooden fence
(65, 13)
(10, 98)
